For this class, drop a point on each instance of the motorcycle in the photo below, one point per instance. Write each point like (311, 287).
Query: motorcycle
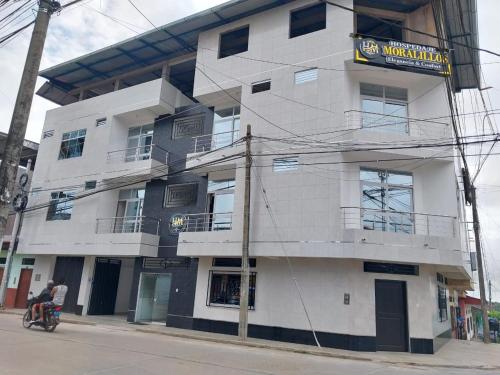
(51, 317)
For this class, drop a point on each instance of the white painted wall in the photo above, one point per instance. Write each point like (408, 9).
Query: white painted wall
(323, 283)
(124, 285)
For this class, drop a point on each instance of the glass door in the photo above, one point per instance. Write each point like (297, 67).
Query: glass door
(153, 296)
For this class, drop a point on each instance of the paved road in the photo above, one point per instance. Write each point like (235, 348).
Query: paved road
(78, 349)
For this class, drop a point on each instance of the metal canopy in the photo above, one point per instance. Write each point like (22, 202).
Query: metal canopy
(172, 40)
(181, 37)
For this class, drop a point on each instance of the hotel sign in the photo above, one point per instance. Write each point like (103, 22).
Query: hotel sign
(402, 55)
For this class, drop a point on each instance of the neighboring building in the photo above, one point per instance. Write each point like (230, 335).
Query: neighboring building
(374, 237)
(21, 272)
(467, 304)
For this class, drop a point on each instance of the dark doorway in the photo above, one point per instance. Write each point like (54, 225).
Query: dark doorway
(104, 286)
(391, 315)
(70, 269)
(23, 288)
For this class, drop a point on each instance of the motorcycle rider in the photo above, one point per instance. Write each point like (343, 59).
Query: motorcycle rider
(58, 294)
(43, 297)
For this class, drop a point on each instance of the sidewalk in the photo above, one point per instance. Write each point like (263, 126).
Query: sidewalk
(455, 354)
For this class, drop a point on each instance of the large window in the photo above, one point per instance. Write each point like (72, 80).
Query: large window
(129, 211)
(72, 144)
(387, 201)
(220, 204)
(60, 205)
(378, 29)
(442, 304)
(307, 20)
(139, 142)
(225, 289)
(384, 108)
(226, 129)
(233, 42)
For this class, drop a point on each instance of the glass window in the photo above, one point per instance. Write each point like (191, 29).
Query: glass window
(72, 144)
(384, 108)
(233, 42)
(139, 143)
(129, 211)
(225, 289)
(306, 76)
(220, 204)
(307, 20)
(387, 201)
(60, 205)
(442, 304)
(286, 164)
(261, 86)
(226, 128)
(100, 122)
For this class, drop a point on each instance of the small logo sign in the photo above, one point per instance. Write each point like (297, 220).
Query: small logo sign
(369, 48)
(177, 223)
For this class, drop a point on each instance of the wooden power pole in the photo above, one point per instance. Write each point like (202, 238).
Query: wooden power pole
(480, 271)
(19, 122)
(245, 266)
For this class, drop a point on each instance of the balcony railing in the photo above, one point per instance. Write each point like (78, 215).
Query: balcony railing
(399, 222)
(208, 222)
(210, 142)
(396, 124)
(139, 153)
(128, 224)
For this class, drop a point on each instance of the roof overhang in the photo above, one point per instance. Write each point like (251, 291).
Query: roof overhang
(461, 24)
(168, 42)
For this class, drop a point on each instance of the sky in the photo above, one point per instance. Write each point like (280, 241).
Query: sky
(83, 29)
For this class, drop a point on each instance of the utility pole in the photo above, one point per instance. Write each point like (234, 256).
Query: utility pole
(480, 272)
(489, 287)
(4, 282)
(245, 267)
(19, 122)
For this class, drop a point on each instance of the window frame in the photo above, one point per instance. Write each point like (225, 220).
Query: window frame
(303, 71)
(103, 121)
(385, 186)
(302, 9)
(294, 166)
(442, 311)
(67, 154)
(251, 296)
(67, 204)
(192, 202)
(261, 86)
(385, 101)
(225, 33)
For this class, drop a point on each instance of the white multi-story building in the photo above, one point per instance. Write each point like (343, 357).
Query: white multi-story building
(342, 202)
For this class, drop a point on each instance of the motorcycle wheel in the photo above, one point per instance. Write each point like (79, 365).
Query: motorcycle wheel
(27, 319)
(51, 325)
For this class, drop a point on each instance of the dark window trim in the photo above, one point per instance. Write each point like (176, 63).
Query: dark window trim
(222, 34)
(318, 5)
(237, 262)
(261, 86)
(192, 202)
(391, 268)
(224, 272)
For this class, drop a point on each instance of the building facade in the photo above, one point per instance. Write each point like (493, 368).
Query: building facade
(356, 213)
(19, 278)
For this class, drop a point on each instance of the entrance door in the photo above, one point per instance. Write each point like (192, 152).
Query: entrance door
(69, 268)
(23, 288)
(391, 315)
(152, 300)
(104, 286)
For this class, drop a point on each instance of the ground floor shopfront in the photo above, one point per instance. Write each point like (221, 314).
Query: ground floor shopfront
(21, 274)
(143, 290)
(352, 305)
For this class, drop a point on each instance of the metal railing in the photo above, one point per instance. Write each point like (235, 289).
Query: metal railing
(208, 222)
(396, 124)
(139, 153)
(128, 224)
(399, 222)
(210, 142)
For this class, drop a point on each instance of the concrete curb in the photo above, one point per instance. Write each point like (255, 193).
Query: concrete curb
(289, 349)
(316, 352)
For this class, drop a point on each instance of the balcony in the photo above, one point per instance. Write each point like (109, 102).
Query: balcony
(124, 224)
(399, 222)
(144, 161)
(390, 124)
(215, 146)
(208, 222)
(128, 236)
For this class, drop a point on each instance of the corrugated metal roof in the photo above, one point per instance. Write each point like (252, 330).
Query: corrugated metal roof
(181, 37)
